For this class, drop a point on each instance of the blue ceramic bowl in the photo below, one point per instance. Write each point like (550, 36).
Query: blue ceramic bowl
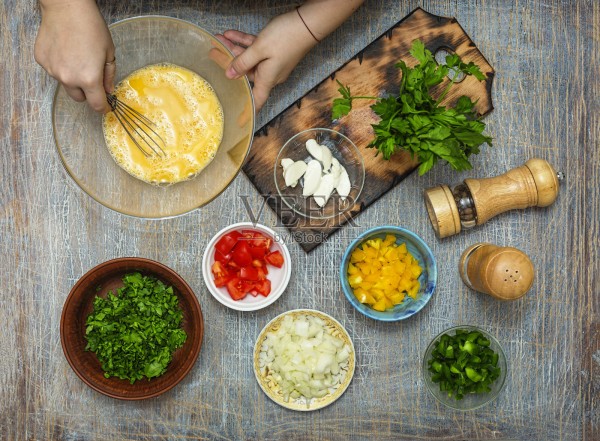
(428, 277)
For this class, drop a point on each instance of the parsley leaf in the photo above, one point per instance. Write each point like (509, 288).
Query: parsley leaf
(135, 331)
(342, 106)
(415, 121)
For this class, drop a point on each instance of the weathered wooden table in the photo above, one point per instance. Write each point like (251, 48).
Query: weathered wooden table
(546, 104)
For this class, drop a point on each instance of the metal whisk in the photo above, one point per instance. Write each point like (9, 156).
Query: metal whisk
(138, 127)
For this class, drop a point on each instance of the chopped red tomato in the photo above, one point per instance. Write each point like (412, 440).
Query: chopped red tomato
(218, 269)
(221, 281)
(275, 258)
(262, 272)
(249, 273)
(221, 274)
(263, 287)
(250, 289)
(256, 239)
(258, 252)
(236, 289)
(241, 254)
(241, 263)
(226, 243)
(223, 258)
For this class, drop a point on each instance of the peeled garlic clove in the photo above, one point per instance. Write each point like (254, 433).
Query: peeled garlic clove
(326, 158)
(336, 171)
(324, 191)
(312, 178)
(343, 187)
(314, 149)
(285, 163)
(294, 172)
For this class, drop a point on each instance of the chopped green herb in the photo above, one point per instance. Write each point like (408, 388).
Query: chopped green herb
(416, 122)
(463, 363)
(135, 331)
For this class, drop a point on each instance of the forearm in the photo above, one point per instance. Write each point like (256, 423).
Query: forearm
(322, 17)
(58, 5)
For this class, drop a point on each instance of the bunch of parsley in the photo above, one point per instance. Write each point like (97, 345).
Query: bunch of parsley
(416, 122)
(135, 332)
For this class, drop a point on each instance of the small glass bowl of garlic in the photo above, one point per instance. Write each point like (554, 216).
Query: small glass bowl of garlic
(319, 173)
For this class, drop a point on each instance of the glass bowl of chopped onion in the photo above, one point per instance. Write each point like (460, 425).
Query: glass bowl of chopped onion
(304, 360)
(464, 367)
(319, 173)
(388, 273)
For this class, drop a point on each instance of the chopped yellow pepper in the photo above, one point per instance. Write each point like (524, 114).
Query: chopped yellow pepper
(382, 273)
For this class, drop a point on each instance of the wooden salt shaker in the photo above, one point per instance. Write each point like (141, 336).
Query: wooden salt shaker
(504, 273)
(475, 201)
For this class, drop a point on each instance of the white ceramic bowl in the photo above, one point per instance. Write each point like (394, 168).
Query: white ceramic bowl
(279, 277)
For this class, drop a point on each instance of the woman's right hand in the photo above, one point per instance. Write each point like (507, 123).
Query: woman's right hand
(75, 47)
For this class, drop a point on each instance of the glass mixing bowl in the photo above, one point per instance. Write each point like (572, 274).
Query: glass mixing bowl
(471, 401)
(139, 42)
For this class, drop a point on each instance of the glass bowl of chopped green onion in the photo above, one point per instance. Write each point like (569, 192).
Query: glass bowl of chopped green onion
(464, 367)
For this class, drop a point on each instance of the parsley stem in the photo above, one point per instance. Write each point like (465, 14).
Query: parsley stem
(365, 98)
(392, 118)
(445, 92)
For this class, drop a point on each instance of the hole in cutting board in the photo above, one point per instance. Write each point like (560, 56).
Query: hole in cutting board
(440, 58)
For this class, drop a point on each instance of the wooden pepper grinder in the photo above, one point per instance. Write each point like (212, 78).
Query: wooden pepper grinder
(476, 200)
(504, 273)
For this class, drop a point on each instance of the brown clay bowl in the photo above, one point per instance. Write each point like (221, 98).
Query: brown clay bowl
(79, 304)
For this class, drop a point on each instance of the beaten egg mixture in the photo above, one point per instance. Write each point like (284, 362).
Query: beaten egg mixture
(187, 115)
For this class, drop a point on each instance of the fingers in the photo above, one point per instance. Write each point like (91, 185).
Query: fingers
(89, 84)
(247, 57)
(243, 63)
(234, 48)
(227, 42)
(110, 70)
(238, 37)
(261, 91)
(223, 58)
(96, 98)
(95, 92)
(76, 93)
(219, 56)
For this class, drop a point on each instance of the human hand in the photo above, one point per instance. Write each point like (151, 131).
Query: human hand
(268, 58)
(75, 47)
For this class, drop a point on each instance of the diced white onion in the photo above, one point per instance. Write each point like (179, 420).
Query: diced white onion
(303, 358)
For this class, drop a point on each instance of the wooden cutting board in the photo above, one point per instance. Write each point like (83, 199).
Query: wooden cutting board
(370, 73)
